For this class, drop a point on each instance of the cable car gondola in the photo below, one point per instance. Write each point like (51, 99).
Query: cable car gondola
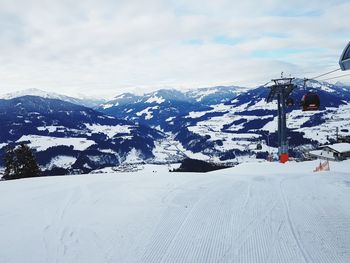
(344, 61)
(310, 102)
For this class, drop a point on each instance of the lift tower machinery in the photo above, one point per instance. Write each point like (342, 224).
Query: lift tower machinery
(280, 90)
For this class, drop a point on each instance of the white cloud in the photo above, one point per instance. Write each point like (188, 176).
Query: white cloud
(108, 47)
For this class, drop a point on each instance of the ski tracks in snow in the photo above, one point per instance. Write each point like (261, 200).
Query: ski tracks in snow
(256, 220)
(60, 235)
(216, 227)
(56, 232)
(292, 228)
(316, 213)
(216, 217)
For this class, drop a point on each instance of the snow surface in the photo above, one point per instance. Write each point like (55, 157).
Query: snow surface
(170, 119)
(134, 156)
(263, 105)
(50, 128)
(215, 108)
(264, 212)
(52, 95)
(340, 147)
(241, 141)
(196, 114)
(2, 145)
(158, 100)
(61, 161)
(175, 151)
(32, 92)
(321, 154)
(169, 150)
(107, 106)
(336, 118)
(42, 143)
(110, 131)
(200, 94)
(148, 112)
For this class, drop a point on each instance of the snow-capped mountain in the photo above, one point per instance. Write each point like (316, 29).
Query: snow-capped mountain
(73, 137)
(227, 123)
(120, 100)
(88, 102)
(214, 95)
(236, 127)
(157, 108)
(170, 125)
(151, 109)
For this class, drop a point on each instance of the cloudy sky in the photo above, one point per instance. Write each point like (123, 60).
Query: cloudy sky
(106, 47)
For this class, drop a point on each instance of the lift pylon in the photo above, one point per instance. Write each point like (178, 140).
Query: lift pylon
(280, 90)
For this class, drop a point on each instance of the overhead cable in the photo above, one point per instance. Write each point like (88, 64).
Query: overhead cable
(324, 74)
(341, 76)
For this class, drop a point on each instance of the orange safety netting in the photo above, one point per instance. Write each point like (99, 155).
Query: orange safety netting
(322, 167)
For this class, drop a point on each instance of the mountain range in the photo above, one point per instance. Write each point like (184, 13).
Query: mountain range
(69, 136)
(88, 102)
(222, 124)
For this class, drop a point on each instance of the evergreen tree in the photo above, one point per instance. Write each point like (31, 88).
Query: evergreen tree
(20, 163)
(9, 163)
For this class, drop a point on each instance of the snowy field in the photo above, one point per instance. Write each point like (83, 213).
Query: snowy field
(42, 143)
(264, 212)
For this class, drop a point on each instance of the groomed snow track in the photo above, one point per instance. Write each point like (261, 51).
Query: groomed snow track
(253, 214)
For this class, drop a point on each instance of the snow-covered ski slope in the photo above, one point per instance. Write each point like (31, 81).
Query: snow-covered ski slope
(264, 212)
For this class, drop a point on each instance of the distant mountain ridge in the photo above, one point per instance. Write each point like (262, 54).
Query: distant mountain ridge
(52, 95)
(229, 122)
(236, 127)
(72, 137)
(223, 124)
(155, 108)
